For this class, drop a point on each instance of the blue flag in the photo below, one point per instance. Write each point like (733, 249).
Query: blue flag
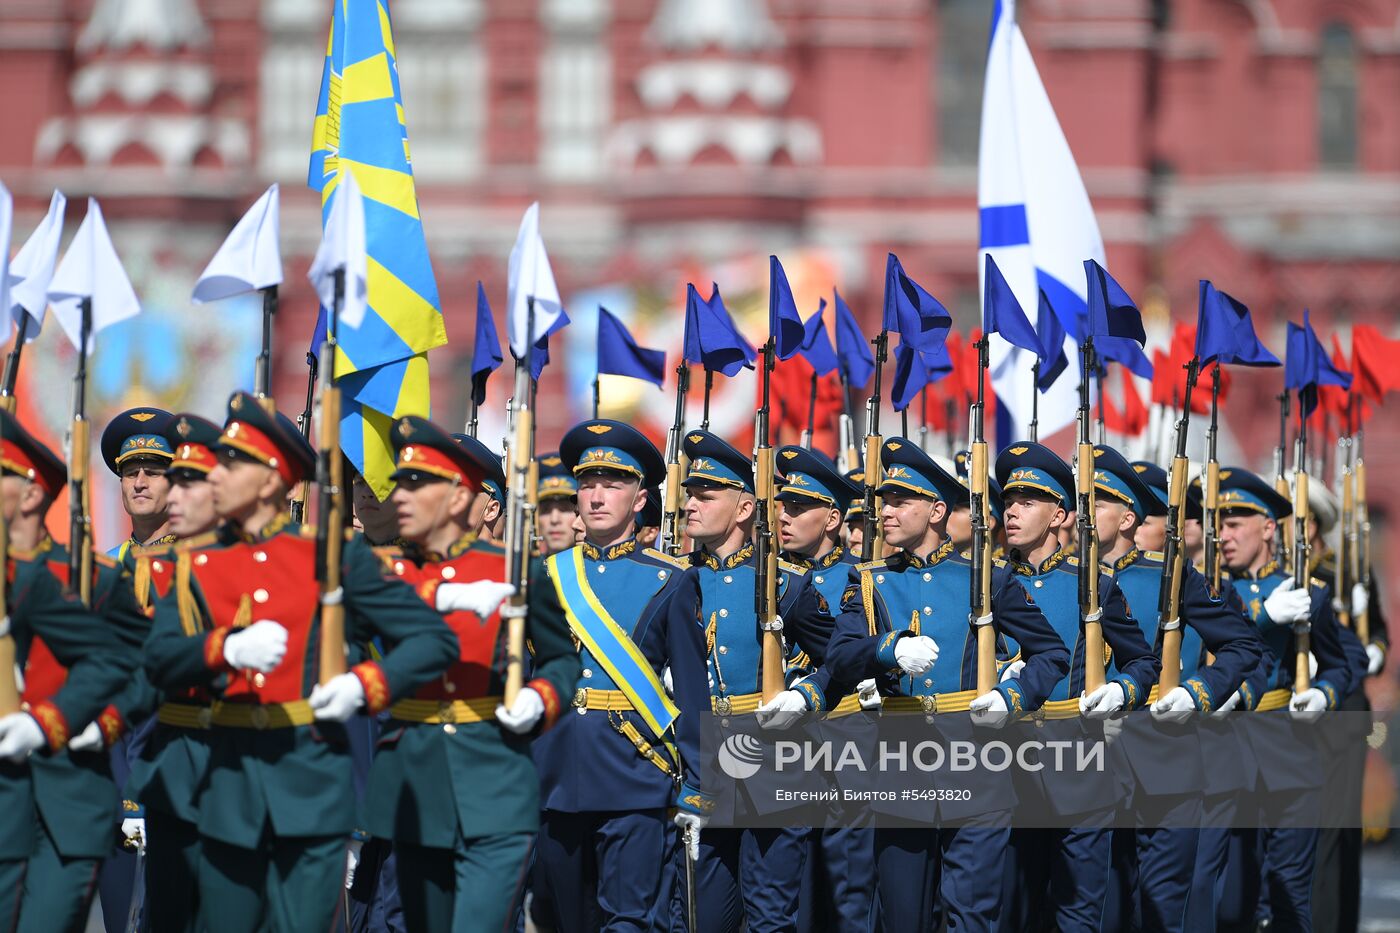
(486, 351)
(1126, 351)
(1308, 366)
(784, 323)
(1112, 311)
(914, 369)
(619, 355)
(816, 344)
(1002, 314)
(1052, 337)
(913, 313)
(539, 353)
(1225, 331)
(711, 339)
(852, 350)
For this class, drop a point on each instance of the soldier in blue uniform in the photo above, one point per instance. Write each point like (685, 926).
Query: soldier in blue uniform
(1154, 865)
(1037, 491)
(838, 882)
(557, 492)
(616, 759)
(855, 511)
(890, 630)
(1251, 512)
(751, 874)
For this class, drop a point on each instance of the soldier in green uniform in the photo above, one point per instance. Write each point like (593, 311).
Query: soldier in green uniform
(452, 783)
(243, 621)
(58, 810)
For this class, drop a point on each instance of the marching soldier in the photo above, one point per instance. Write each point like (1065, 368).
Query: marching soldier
(855, 523)
(610, 770)
(135, 449)
(557, 494)
(1154, 865)
(649, 518)
(960, 514)
(838, 888)
(488, 515)
(1036, 490)
(898, 617)
(166, 774)
(277, 804)
(452, 783)
(1249, 519)
(742, 873)
(60, 805)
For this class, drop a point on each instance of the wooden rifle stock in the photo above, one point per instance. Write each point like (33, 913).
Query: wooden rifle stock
(330, 518)
(1362, 552)
(982, 567)
(1095, 675)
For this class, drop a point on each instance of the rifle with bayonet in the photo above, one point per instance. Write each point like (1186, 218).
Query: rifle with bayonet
(872, 541)
(1174, 556)
(766, 541)
(520, 516)
(331, 505)
(977, 482)
(1090, 612)
(1361, 552)
(1283, 540)
(1211, 498)
(670, 517)
(1301, 575)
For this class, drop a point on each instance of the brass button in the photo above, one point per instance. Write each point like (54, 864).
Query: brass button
(398, 567)
(449, 728)
(260, 556)
(449, 572)
(259, 680)
(201, 559)
(155, 565)
(260, 595)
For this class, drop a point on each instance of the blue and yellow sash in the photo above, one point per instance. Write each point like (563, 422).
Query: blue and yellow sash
(599, 632)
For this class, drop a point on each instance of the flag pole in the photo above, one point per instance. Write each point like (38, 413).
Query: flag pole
(872, 540)
(1346, 536)
(848, 459)
(263, 370)
(1283, 536)
(596, 378)
(472, 417)
(11, 376)
(1211, 503)
(80, 522)
(808, 434)
(313, 367)
(705, 412)
(1035, 401)
(950, 415)
(923, 419)
(670, 517)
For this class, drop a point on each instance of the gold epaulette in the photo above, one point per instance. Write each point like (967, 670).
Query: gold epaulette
(1155, 555)
(1071, 561)
(791, 568)
(677, 562)
(1317, 583)
(998, 561)
(880, 564)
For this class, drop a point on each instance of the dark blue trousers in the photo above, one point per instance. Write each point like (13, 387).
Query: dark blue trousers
(964, 866)
(750, 874)
(1060, 877)
(838, 881)
(1208, 877)
(1153, 867)
(373, 900)
(605, 871)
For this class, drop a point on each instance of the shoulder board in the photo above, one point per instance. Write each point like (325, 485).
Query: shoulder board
(388, 551)
(102, 560)
(1317, 584)
(1071, 562)
(309, 531)
(998, 561)
(880, 564)
(1155, 555)
(677, 562)
(791, 568)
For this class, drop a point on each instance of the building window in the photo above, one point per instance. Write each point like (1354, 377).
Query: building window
(575, 89)
(962, 59)
(1336, 98)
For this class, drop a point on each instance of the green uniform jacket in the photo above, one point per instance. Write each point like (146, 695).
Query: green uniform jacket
(295, 780)
(73, 794)
(431, 784)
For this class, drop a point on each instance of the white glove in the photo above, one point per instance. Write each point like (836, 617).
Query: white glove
(869, 694)
(666, 680)
(1360, 599)
(134, 833)
(1103, 702)
(89, 740)
(337, 699)
(1377, 658)
(523, 713)
(1013, 670)
(352, 861)
(259, 647)
(1232, 701)
(690, 825)
(916, 654)
(1308, 705)
(1176, 706)
(1288, 606)
(20, 736)
(990, 709)
(482, 597)
(782, 711)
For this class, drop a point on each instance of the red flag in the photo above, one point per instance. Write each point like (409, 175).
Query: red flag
(1161, 378)
(1131, 419)
(1376, 362)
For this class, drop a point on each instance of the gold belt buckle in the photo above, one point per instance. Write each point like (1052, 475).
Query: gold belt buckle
(205, 717)
(723, 705)
(929, 703)
(581, 700)
(260, 717)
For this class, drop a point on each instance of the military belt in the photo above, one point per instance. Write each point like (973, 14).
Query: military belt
(849, 704)
(477, 709)
(932, 703)
(237, 715)
(737, 703)
(1274, 699)
(1057, 709)
(614, 701)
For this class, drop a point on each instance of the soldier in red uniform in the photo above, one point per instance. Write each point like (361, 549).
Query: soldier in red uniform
(276, 804)
(452, 782)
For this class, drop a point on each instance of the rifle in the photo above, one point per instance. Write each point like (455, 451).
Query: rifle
(1035, 401)
(1346, 537)
(872, 541)
(11, 375)
(1362, 552)
(1301, 676)
(79, 518)
(1211, 504)
(1174, 558)
(1283, 541)
(670, 517)
(520, 516)
(313, 365)
(981, 596)
(330, 512)
(848, 458)
(1089, 609)
(811, 428)
(765, 541)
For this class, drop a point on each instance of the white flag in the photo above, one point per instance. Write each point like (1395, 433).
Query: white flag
(249, 260)
(1036, 221)
(32, 269)
(91, 269)
(529, 276)
(343, 247)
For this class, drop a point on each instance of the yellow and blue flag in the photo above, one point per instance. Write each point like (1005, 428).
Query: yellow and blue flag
(382, 366)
